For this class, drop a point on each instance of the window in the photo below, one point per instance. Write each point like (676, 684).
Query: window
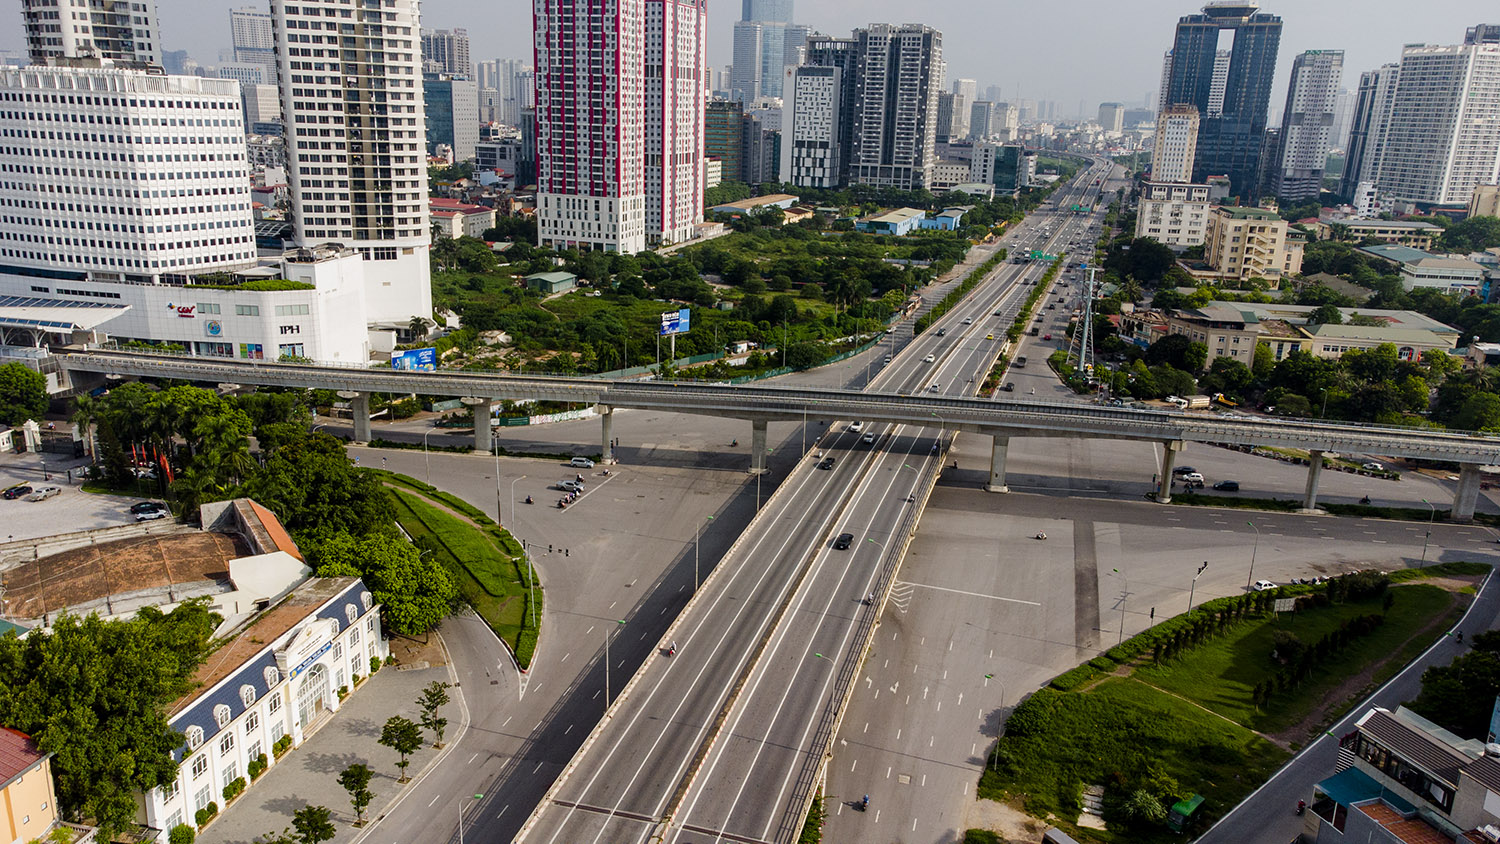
(364, 598)
(208, 308)
(338, 650)
(351, 612)
(247, 310)
(278, 730)
(255, 750)
(226, 744)
(174, 820)
(169, 790)
(272, 677)
(221, 715)
(194, 737)
(275, 704)
(200, 766)
(252, 721)
(203, 797)
(231, 771)
(247, 694)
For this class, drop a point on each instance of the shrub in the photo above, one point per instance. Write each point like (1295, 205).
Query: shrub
(206, 814)
(234, 789)
(1072, 679)
(374, 664)
(281, 746)
(1034, 714)
(181, 834)
(343, 692)
(257, 767)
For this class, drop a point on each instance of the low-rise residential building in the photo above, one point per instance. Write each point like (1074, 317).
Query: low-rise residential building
(1402, 778)
(948, 219)
(1234, 329)
(455, 219)
(277, 680)
(948, 174)
(1485, 202)
(1423, 269)
(551, 283)
(900, 222)
(1413, 233)
(28, 797)
(1243, 243)
(1173, 214)
(756, 203)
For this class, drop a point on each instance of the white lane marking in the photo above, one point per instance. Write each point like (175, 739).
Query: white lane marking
(852, 765)
(977, 595)
(471, 759)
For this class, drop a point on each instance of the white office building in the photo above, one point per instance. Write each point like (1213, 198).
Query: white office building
(1307, 125)
(1173, 213)
(810, 126)
(351, 97)
(447, 51)
(100, 29)
(254, 41)
(898, 74)
(619, 150)
(1368, 124)
(1176, 144)
(1444, 132)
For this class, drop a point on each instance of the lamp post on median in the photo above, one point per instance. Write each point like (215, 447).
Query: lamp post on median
(1194, 587)
(512, 492)
(1123, 595)
(697, 533)
(425, 457)
(1250, 578)
(1428, 537)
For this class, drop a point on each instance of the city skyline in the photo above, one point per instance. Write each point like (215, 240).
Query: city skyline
(1093, 58)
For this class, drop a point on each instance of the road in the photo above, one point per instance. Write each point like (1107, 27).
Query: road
(680, 747)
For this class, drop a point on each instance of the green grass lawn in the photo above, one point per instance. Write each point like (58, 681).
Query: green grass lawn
(1220, 673)
(1120, 728)
(490, 580)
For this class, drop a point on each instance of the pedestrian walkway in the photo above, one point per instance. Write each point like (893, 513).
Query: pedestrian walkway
(309, 774)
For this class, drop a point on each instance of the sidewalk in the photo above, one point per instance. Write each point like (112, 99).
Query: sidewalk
(309, 774)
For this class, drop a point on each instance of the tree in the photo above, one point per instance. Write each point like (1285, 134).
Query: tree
(1179, 352)
(23, 394)
(1475, 234)
(181, 834)
(314, 825)
(1460, 696)
(85, 416)
(356, 780)
(1326, 315)
(402, 736)
(415, 592)
(94, 693)
(1480, 413)
(433, 698)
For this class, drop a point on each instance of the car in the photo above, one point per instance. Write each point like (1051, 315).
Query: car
(989, 336)
(844, 541)
(1051, 306)
(929, 359)
(14, 492)
(146, 507)
(1227, 486)
(1183, 470)
(869, 438)
(570, 485)
(1008, 387)
(1263, 585)
(887, 358)
(1021, 362)
(857, 426)
(968, 320)
(826, 464)
(43, 493)
(1046, 336)
(152, 515)
(1373, 466)
(1192, 478)
(999, 314)
(942, 332)
(581, 463)
(935, 388)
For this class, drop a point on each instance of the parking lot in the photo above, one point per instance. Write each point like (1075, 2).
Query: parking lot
(70, 510)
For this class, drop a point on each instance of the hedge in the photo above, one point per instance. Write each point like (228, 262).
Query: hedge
(955, 295)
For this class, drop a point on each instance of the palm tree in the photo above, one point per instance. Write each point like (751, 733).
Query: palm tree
(85, 415)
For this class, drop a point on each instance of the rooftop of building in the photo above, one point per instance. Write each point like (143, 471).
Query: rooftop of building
(1376, 333)
(1241, 212)
(1279, 328)
(555, 276)
(1395, 252)
(96, 573)
(302, 603)
(1439, 262)
(1421, 742)
(56, 314)
(899, 215)
(18, 754)
(1257, 312)
(1409, 225)
(755, 202)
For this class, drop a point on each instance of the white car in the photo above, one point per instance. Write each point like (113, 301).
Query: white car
(857, 426)
(1373, 467)
(43, 493)
(581, 463)
(968, 320)
(151, 515)
(930, 359)
(1263, 585)
(869, 438)
(570, 485)
(1192, 477)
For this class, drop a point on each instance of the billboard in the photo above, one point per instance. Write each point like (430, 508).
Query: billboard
(415, 360)
(675, 323)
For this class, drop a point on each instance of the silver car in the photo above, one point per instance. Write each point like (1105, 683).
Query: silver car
(43, 493)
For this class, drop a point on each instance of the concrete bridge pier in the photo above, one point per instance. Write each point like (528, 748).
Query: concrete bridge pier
(607, 417)
(758, 447)
(1169, 451)
(359, 413)
(999, 450)
(1466, 497)
(1314, 474)
(483, 437)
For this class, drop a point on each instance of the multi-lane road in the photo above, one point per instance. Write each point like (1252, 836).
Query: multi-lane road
(724, 739)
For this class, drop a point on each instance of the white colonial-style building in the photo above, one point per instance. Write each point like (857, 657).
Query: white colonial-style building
(279, 677)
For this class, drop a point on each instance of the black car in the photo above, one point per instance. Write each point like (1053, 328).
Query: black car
(147, 507)
(1227, 486)
(826, 464)
(844, 541)
(1183, 470)
(1008, 387)
(942, 332)
(12, 493)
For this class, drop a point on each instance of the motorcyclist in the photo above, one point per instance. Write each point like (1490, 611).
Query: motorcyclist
(528, 500)
(1041, 535)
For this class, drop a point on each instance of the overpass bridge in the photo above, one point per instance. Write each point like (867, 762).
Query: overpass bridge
(998, 419)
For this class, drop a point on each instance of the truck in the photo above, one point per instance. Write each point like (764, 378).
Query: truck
(1189, 402)
(1021, 362)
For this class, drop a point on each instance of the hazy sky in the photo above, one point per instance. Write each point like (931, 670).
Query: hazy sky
(1064, 50)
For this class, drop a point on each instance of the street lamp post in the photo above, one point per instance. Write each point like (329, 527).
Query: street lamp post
(1250, 578)
(697, 528)
(461, 806)
(512, 494)
(1194, 587)
(999, 731)
(1428, 537)
(1324, 413)
(425, 457)
(1123, 596)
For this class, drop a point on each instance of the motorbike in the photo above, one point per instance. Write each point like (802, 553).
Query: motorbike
(529, 501)
(672, 649)
(1301, 806)
(1041, 535)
